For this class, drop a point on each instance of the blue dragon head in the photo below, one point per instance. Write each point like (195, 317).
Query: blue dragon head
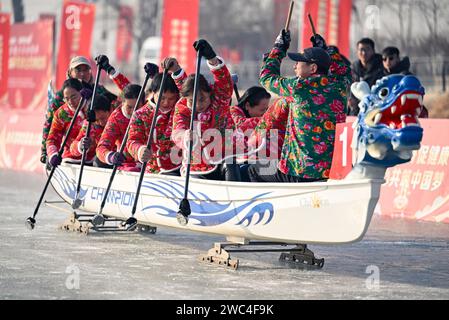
(387, 129)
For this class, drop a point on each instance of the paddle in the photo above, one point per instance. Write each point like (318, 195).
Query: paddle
(98, 219)
(311, 24)
(100, 61)
(184, 205)
(289, 16)
(31, 221)
(131, 221)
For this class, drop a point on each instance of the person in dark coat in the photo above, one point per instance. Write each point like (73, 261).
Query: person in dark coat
(393, 64)
(367, 68)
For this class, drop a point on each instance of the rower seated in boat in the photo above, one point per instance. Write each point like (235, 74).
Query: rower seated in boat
(114, 132)
(212, 120)
(71, 90)
(102, 111)
(163, 157)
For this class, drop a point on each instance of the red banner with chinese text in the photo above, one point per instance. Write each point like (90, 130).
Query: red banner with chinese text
(179, 31)
(124, 34)
(332, 20)
(5, 28)
(20, 140)
(30, 64)
(75, 39)
(418, 189)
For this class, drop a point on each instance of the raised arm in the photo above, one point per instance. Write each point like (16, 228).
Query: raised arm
(222, 87)
(270, 74)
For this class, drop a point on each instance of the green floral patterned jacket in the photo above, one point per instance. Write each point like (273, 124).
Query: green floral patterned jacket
(317, 103)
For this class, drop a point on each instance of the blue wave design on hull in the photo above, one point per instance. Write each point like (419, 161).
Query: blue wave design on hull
(67, 185)
(205, 211)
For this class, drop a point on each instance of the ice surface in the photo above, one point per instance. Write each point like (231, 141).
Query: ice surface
(411, 257)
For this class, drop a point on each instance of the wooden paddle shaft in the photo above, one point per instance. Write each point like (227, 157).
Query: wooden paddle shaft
(289, 17)
(311, 24)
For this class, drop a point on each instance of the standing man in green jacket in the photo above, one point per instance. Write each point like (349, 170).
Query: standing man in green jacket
(316, 101)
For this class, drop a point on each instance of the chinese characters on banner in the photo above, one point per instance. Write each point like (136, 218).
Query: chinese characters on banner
(418, 189)
(179, 31)
(30, 64)
(20, 140)
(332, 20)
(4, 55)
(75, 39)
(124, 34)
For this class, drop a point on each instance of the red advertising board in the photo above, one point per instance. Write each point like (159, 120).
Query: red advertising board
(179, 31)
(4, 54)
(416, 190)
(77, 22)
(20, 140)
(30, 64)
(124, 34)
(332, 20)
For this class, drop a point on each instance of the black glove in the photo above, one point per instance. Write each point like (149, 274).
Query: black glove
(91, 115)
(283, 40)
(87, 85)
(43, 157)
(55, 160)
(151, 69)
(318, 42)
(86, 143)
(205, 49)
(116, 158)
(103, 63)
(86, 93)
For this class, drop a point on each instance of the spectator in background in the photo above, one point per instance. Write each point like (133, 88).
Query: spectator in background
(368, 68)
(392, 62)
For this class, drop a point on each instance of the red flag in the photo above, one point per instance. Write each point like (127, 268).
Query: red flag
(179, 31)
(75, 35)
(332, 20)
(4, 54)
(124, 34)
(30, 64)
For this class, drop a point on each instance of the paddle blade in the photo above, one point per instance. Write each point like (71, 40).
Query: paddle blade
(130, 223)
(30, 222)
(77, 203)
(184, 212)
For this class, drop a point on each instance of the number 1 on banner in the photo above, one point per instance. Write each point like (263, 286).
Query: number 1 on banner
(344, 139)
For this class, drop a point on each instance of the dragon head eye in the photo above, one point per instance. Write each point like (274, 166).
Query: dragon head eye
(384, 93)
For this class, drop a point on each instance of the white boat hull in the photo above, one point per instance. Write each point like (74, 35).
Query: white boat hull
(319, 212)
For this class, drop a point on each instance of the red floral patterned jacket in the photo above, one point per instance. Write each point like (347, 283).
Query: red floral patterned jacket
(112, 137)
(206, 155)
(165, 157)
(61, 122)
(119, 80)
(95, 133)
(270, 126)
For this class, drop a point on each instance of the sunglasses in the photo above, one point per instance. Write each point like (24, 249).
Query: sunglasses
(388, 58)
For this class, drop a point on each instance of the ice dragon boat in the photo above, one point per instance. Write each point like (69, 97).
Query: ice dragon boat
(333, 212)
